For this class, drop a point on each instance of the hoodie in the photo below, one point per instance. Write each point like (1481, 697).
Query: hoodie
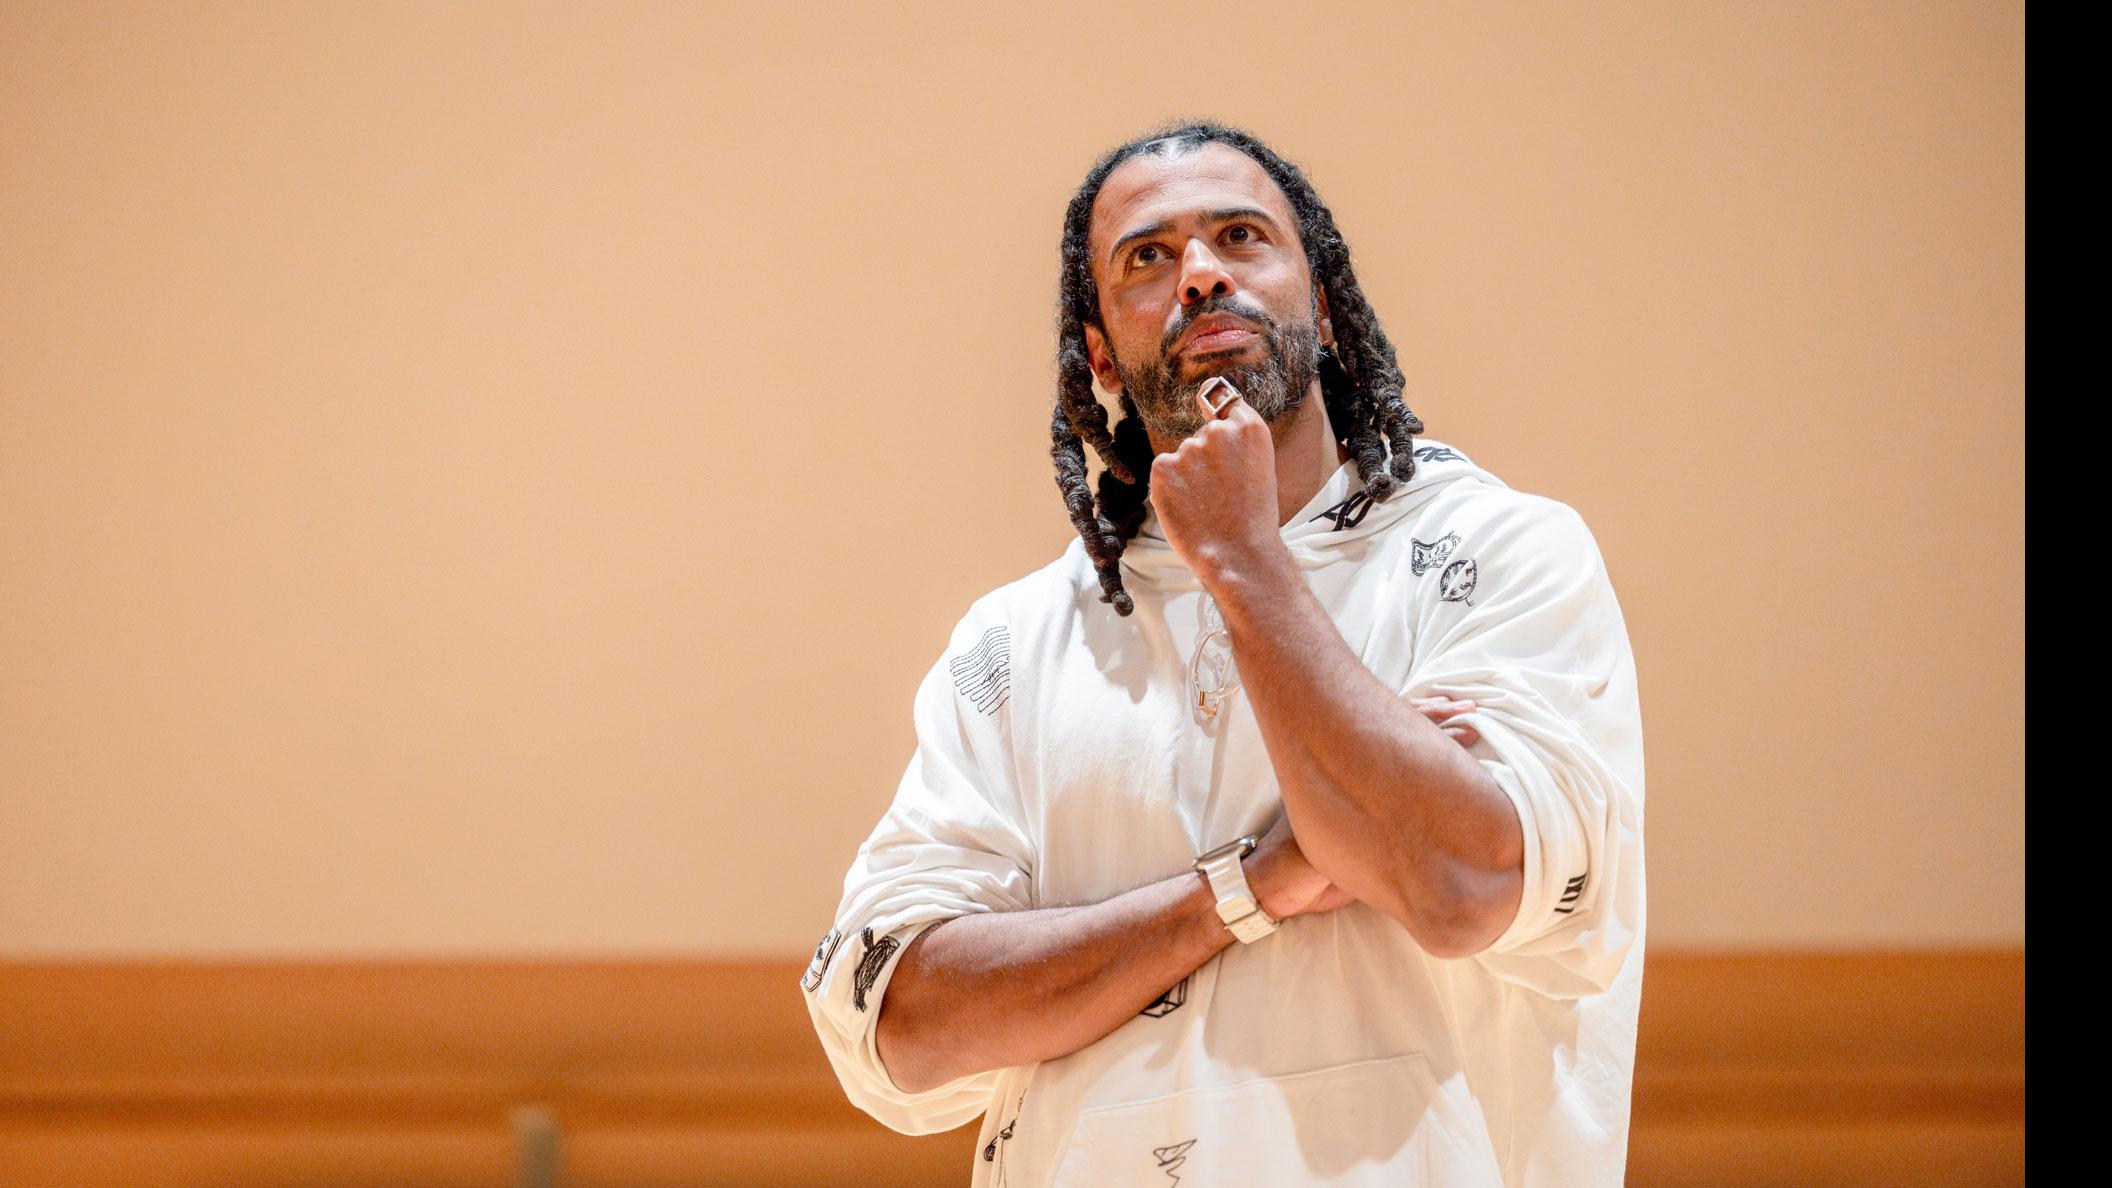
(1061, 759)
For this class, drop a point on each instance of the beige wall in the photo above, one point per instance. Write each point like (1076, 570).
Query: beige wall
(490, 480)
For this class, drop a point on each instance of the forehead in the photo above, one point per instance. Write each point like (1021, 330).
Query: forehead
(1162, 187)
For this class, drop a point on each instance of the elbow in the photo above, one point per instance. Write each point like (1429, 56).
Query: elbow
(900, 1056)
(908, 1061)
(1460, 912)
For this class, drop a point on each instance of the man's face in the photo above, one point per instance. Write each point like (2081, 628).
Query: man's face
(1202, 236)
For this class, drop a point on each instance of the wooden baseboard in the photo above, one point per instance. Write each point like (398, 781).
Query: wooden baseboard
(1751, 1068)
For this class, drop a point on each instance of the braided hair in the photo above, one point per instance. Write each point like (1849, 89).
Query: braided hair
(1360, 380)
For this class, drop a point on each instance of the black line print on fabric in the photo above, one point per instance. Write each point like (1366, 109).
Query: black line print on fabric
(1422, 558)
(1349, 513)
(1456, 583)
(1169, 1002)
(870, 965)
(983, 674)
(990, 1149)
(824, 953)
(994, 1151)
(1573, 891)
(1171, 1158)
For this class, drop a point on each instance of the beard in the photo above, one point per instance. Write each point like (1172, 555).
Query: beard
(1274, 385)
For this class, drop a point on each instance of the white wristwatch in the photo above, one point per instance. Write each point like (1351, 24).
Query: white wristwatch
(1236, 905)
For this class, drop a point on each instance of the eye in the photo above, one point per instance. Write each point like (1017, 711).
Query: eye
(1252, 233)
(1137, 257)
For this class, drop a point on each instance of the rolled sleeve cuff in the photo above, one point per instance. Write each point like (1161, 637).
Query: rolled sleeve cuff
(851, 1036)
(1556, 852)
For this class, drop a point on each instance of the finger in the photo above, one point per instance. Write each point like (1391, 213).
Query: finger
(1218, 397)
(1466, 736)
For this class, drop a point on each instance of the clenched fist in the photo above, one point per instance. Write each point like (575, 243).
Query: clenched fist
(1216, 493)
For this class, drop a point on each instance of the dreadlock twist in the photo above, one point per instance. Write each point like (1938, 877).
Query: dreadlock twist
(1360, 380)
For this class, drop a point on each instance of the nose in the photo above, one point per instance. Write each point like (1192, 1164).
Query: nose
(1203, 275)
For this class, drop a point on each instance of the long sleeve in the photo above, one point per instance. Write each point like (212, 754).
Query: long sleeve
(952, 842)
(1523, 620)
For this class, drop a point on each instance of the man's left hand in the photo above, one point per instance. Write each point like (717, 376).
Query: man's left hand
(1215, 495)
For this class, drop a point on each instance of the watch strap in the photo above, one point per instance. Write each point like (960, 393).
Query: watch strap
(1236, 904)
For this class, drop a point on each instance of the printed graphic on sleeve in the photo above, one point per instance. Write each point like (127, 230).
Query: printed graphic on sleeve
(983, 674)
(870, 965)
(1422, 558)
(1438, 454)
(824, 953)
(1571, 893)
(1167, 1003)
(1171, 1158)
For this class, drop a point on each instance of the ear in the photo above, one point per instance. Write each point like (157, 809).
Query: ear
(1327, 326)
(1101, 361)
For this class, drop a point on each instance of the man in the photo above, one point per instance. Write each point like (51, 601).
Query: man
(1408, 688)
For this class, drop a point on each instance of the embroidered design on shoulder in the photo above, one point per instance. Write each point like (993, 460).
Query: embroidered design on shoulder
(1439, 454)
(983, 673)
(1167, 1003)
(870, 965)
(1349, 513)
(1572, 892)
(1422, 558)
(824, 953)
(1456, 582)
(1171, 1158)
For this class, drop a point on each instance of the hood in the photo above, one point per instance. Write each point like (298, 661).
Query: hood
(1338, 516)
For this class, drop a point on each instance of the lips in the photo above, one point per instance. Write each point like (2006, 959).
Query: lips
(1218, 338)
(1216, 332)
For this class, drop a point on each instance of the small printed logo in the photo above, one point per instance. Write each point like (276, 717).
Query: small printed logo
(870, 965)
(824, 953)
(1422, 558)
(1456, 582)
(1572, 892)
(1438, 454)
(1349, 513)
(1167, 1003)
(1171, 1158)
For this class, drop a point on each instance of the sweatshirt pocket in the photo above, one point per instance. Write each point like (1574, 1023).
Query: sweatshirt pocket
(1386, 1121)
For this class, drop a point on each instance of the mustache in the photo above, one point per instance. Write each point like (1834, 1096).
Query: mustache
(1252, 315)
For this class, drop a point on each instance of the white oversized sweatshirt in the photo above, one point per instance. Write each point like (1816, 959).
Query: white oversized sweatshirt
(1060, 760)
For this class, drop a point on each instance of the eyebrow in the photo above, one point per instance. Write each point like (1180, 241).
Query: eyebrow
(1223, 214)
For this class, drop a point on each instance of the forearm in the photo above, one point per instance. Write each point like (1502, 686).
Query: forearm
(1001, 989)
(1382, 801)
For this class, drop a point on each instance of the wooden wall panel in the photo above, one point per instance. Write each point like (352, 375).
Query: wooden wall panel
(1752, 1068)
